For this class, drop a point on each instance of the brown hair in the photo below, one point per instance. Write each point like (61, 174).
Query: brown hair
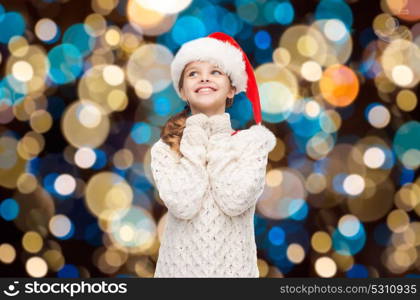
(172, 131)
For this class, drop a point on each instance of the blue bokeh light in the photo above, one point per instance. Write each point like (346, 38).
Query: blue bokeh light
(141, 133)
(407, 140)
(349, 246)
(12, 91)
(161, 106)
(298, 209)
(65, 63)
(262, 39)
(77, 36)
(68, 271)
(9, 209)
(231, 24)
(335, 9)
(407, 176)
(101, 159)
(188, 28)
(276, 235)
(284, 13)
(357, 271)
(11, 24)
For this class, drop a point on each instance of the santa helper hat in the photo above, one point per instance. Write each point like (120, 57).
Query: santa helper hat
(222, 50)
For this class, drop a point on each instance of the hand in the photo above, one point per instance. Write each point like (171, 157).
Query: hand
(198, 119)
(220, 123)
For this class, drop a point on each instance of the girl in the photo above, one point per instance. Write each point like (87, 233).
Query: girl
(208, 175)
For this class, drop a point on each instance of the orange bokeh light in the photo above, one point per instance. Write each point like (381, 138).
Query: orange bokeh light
(339, 85)
(407, 10)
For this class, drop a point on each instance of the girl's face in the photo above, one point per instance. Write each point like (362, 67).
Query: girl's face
(206, 87)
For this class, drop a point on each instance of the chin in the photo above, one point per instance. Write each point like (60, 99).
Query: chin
(204, 103)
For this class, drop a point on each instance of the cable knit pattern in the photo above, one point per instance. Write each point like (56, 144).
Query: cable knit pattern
(182, 182)
(211, 194)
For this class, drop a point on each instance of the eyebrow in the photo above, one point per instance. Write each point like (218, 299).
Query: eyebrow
(194, 67)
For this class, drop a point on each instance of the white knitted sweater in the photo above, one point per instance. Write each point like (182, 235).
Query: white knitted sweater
(211, 193)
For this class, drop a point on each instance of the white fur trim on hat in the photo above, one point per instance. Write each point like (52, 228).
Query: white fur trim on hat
(222, 54)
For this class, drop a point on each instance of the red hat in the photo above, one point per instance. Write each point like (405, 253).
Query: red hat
(222, 50)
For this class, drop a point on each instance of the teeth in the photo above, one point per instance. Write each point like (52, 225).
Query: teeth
(205, 90)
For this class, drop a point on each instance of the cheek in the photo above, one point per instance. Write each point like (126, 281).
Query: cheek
(225, 87)
(188, 86)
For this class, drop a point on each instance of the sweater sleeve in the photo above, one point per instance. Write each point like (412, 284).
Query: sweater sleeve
(237, 167)
(182, 181)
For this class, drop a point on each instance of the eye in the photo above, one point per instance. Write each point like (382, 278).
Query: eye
(217, 72)
(192, 73)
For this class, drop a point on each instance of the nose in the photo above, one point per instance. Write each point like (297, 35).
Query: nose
(202, 79)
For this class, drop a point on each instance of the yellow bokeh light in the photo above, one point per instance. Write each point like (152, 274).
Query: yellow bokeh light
(150, 62)
(407, 100)
(113, 75)
(117, 100)
(85, 124)
(165, 7)
(85, 157)
(143, 89)
(123, 159)
(398, 220)
(307, 46)
(311, 71)
(27, 183)
(41, 121)
(354, 184)
(400, 62)
(104, 7)
(281, 56)
(31, 144)
(22, 71)
(321, 242)
(408, 197)
(374, 157)
(402, 75)
(18, 46)
(54, 259)
(274, 177)
(295, 253)
(107, 192)
(100, 84)
(7, 253)
(36, 267)
(113, 37)
(95, 24)
(325, 267)
(32, 242)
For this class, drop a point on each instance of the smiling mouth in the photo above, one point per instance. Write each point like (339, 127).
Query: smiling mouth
(206, 90)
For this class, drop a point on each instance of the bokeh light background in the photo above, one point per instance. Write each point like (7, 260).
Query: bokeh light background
(84, 91)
